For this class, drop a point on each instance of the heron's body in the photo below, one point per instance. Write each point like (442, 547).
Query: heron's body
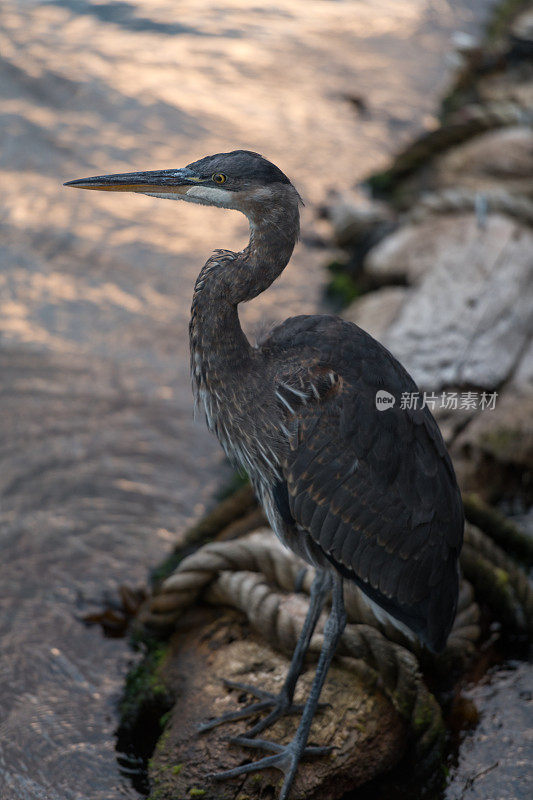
(363, 494)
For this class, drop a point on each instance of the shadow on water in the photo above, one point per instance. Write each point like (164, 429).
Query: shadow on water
(124, 15)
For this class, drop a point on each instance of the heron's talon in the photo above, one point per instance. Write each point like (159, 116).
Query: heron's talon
(272, 747)
(233, 716)
(256, 744)
(279, 705)
(285, 758)
(261, 694)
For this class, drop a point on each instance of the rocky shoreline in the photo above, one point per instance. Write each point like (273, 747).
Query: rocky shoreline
(439, 268)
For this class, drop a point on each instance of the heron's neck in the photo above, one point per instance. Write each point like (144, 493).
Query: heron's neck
(220, 350)
(274, 230)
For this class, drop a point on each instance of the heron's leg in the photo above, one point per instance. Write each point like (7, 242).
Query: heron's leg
(287, 757)
(319, 591)
(281, 703)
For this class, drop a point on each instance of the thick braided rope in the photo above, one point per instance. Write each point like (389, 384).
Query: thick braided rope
(498, 527)
(398, 674)
(254, 553)
(498, 578)
(244, 573)
(262, 552)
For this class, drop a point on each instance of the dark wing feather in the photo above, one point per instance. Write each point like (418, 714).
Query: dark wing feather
(375, 490)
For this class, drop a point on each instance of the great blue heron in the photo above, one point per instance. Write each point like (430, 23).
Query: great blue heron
(362, 491)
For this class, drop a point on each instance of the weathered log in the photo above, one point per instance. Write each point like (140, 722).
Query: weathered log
(362, 725)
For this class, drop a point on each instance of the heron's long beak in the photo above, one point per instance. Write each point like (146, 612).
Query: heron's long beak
(171, 181)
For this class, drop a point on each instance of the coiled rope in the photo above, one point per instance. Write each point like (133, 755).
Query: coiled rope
(252, 574)
(261, 552)
(498, 579)
(245, 574)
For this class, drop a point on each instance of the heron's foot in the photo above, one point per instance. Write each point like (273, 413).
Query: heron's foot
(278, 703)
(285, 758)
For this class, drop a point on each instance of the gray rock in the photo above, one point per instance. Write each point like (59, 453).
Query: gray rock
(352, 216)
(496, 448)
(469, 317)
(522, 378)
(407, 253)
(522, 27)
(501, 158)
(376, 311)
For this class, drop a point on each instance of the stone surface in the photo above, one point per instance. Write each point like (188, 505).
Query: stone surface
(376, 311)
(469, 318)
(415, 249)
(501, 158)
(522, 378)
(495, 757)
(522, 27)
(496, 448)
(361, 723)
(353, 215)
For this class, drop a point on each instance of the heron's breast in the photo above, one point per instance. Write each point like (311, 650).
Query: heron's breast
(243, 427)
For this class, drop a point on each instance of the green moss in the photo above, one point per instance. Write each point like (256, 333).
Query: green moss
(236, 482)
(163, 740)
(145, 701)
(143, 683)
(176, 769)
(502, 577)
(197, 792)
(164, 719)
(158, 794)
(502, 17)
(342, 290)
(502, 442)
(422, 717)
(381, 183)
(337, 267)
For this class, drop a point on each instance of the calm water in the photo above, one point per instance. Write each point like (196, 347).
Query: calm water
(101, 463)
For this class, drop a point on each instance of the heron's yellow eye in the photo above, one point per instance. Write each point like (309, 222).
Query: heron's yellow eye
(219, 177)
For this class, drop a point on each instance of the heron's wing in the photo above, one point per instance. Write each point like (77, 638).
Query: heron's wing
(374, 489)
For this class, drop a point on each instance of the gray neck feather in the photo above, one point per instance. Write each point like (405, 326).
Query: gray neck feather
(219, 348)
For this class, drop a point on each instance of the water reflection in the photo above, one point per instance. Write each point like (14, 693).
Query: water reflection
(102, 464)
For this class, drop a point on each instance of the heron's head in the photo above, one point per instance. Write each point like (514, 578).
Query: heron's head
(240, 180)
